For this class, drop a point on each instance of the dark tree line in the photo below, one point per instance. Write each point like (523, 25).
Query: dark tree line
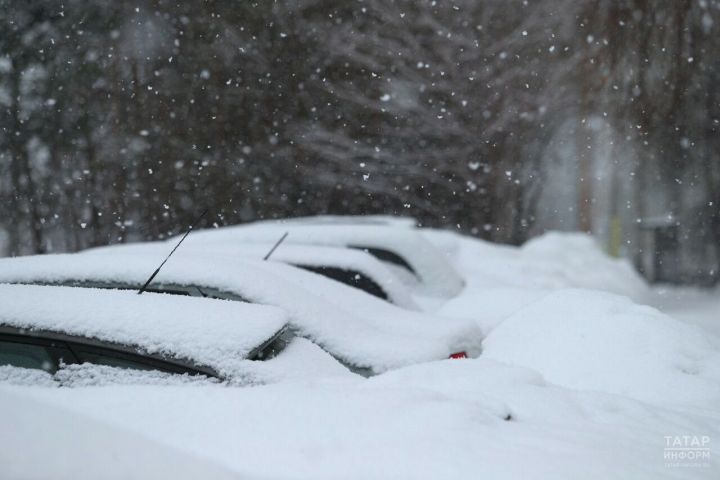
(121, 121)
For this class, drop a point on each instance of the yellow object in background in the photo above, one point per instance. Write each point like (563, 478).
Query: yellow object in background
(615, 240)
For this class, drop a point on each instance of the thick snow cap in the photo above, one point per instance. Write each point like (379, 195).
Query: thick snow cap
(300, 255)
(386, 220)
(435, 274)
(211, 333)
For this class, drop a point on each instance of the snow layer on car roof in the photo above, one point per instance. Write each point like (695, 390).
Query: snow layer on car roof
(356, 327)
(211, 333)
(302, 255)
(436, 274)
(387, 220)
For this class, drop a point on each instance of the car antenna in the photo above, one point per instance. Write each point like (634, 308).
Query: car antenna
(277, 244)
(142, 289)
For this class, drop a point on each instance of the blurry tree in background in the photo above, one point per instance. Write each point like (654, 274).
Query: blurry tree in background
(121, 121)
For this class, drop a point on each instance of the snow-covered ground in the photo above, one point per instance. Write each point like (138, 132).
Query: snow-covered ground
(695, 306)
(586, 373)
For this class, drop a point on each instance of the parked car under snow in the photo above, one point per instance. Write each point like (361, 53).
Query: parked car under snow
(411, 257)
(50, 327)
(365, 333)
(349, 266)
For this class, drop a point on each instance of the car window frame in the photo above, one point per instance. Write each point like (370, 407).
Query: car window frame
(327, 271)
(385, 255)
(57, 350)
(184, 290)
(80, 349)
(133, 353)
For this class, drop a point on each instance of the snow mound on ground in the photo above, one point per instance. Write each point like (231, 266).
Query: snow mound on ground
(502, 279)
(551, 261)
(488, 307)
(41, 441)
(575, 260)
(598, 341)
(445, 419)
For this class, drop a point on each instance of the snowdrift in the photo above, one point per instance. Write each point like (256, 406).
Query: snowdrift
(591, 340)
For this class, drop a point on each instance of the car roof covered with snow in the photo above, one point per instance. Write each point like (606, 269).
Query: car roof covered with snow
(398, 246)
(386, 220)
(357, 328)
(216, 334)
(305, 256)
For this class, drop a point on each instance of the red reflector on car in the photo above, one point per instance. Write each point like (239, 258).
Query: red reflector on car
(458, 355)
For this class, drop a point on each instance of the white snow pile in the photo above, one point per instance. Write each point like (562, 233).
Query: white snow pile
(447, 419)
(42, 441)
(358, 328)
(437, 277)
(503, 279)
(693, 305)
(552, 261)
(215, 334)
(547, 306)
(565, 260)
(592, 340)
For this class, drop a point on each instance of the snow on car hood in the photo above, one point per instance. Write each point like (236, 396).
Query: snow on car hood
(356, 327)
(212, 333)
(435, 273)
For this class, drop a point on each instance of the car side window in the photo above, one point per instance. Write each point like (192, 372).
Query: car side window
(26, 355)
(352, 278)
(114, 358)
(386, 256)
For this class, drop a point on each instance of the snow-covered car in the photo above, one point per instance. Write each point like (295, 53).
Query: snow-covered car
(415, 260)
(352, 267)
(363, 332)
(49, 327)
